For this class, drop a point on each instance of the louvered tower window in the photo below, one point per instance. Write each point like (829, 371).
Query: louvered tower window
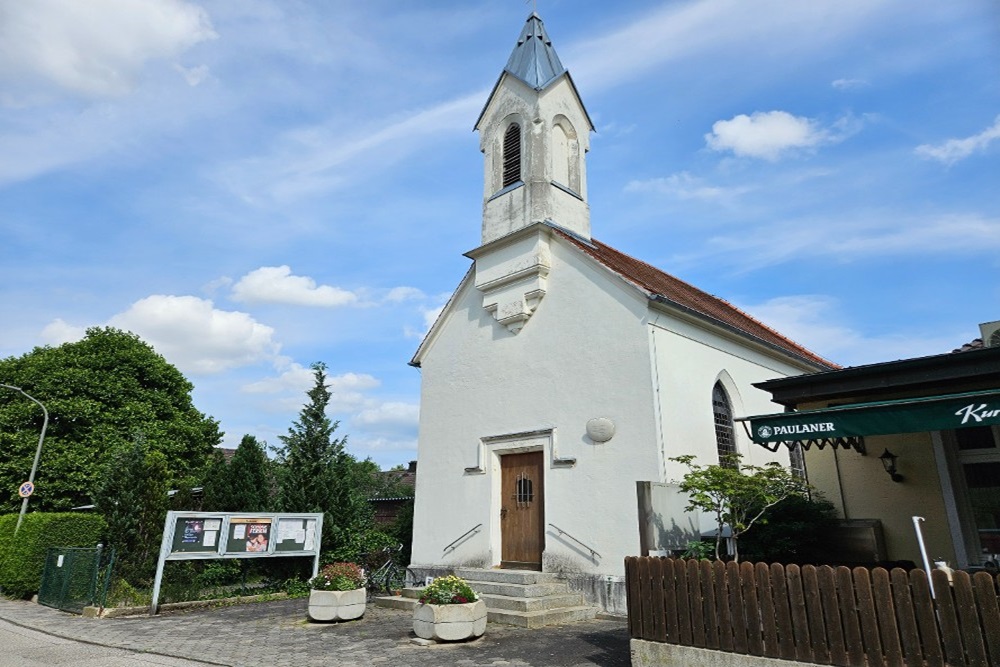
(725, 434)
(512, 155)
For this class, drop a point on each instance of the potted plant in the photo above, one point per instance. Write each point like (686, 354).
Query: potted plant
(449, 610)
(337, 593)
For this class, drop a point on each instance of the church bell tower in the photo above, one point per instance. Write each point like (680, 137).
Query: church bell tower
(534, 134)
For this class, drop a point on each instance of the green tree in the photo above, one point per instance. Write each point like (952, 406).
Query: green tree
(101, 393)
(737, 496)
(216, 496)
(316, 474)
(249, 477)
(131, 495)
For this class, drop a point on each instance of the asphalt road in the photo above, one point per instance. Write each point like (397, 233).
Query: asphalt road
(22, 647)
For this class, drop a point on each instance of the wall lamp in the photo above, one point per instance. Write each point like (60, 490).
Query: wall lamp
(888, 460)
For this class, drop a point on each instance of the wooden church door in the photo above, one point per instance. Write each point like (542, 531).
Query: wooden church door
(522, 514)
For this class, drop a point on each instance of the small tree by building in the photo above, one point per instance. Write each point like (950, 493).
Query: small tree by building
(737, 496)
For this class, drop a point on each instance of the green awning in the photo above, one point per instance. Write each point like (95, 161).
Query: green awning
(911, 415)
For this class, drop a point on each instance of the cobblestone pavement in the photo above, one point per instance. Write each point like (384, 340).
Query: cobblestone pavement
(276, 633)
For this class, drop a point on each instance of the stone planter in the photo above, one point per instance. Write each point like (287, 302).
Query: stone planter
(336, 605)
(450, 622)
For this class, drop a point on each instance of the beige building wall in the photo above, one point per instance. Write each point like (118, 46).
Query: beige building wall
(860, 488)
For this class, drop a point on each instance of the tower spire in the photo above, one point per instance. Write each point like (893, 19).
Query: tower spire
(534, 60)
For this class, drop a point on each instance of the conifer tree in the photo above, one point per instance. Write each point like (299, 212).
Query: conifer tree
(131, 494)
(249, 477)
(216, 496)
(318, 475)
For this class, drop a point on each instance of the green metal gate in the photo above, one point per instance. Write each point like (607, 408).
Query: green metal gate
(75, 578)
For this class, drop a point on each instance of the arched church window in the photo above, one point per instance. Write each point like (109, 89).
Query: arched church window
(511, 155)
(560, 156)
(725, 434)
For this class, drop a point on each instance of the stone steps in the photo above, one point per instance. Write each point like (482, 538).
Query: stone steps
(514, 597)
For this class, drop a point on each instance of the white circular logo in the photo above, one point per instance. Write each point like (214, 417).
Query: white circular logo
(765, 432)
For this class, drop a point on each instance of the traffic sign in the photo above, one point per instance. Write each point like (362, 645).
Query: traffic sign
(26, 489)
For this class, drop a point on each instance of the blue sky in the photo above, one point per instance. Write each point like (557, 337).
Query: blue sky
(254, 186)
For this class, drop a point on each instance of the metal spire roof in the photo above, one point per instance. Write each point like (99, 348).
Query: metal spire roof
(533, 60)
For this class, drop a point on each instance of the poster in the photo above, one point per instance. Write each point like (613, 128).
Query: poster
(257, 537)
(192, 531)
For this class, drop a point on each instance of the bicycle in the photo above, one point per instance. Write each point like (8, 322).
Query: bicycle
(388, 577)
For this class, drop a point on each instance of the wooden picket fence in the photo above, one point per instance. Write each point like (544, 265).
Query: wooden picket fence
(821, 615)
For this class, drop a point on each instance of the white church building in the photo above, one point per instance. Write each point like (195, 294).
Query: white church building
(563, 374)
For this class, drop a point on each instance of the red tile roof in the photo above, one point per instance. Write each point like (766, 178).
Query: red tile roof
(657, 283)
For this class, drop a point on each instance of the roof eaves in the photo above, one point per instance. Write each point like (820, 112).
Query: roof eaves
(814, 361)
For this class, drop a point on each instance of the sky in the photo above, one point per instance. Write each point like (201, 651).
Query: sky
(255, 186)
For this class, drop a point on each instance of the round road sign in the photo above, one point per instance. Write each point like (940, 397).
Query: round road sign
(26, 489)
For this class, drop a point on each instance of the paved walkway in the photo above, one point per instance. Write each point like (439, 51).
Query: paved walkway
(276, 633)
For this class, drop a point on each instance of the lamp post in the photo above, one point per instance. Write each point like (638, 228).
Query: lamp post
(38, 452)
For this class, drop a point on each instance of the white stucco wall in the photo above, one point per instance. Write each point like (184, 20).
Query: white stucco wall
(689, 360)
(583, 354)
(592, 348)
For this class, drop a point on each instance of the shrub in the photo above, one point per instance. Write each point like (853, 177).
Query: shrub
(22, 560)
(793, 531)
(448, 590)
(338, 577)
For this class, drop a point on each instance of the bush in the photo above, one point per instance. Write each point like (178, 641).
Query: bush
(793, 531)
(22, 560)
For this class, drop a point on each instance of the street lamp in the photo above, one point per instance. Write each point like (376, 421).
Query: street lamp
(38, 452)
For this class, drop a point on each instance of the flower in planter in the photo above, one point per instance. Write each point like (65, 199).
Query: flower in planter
(338, 577)
(448, 590)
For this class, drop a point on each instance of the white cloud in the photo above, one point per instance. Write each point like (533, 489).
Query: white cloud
(390, 413)
(430, 316)
(400, 294)
(364, 446)
(58, 332)
(195, 336)
(954, 150)
(97, 47)
(852, 239)
(315, 159)
(276, 284)
(765, 134)
(287, 389)
(685, 186)
(818, 323)
(849, 84)
(193, 75)
(710, 29)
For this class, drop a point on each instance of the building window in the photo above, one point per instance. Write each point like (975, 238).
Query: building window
(511, 155)
(797, 462)
(725, 434)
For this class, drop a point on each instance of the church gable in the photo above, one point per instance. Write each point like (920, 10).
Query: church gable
(662, 287)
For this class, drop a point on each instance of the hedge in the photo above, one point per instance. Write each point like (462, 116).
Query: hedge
(22, 559)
